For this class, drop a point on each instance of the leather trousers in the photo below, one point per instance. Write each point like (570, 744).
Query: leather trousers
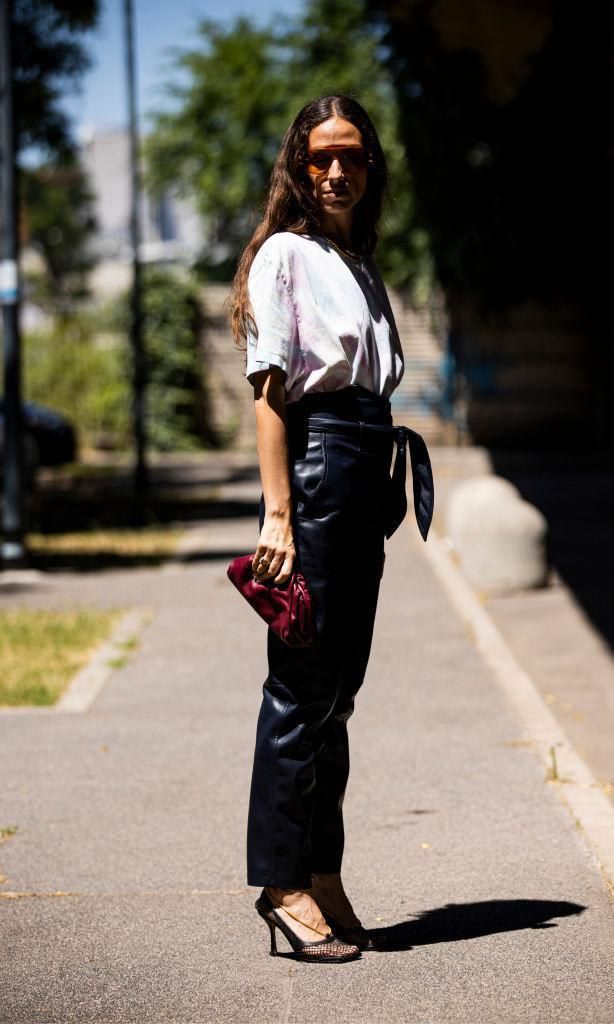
(339, 489)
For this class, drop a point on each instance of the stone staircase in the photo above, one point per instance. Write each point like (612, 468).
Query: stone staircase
(415, 401)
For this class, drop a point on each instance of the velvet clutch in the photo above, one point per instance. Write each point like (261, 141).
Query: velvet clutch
(285, 607)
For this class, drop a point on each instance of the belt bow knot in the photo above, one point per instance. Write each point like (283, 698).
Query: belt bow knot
(422, 474)
(422, 481)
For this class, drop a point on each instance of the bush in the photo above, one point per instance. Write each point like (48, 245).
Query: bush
(82, 366)
(172, 326)
(80, 373)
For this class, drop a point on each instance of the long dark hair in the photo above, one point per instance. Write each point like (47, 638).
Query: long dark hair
(290, 204)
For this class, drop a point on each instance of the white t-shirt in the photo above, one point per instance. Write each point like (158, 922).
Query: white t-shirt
(324, 319)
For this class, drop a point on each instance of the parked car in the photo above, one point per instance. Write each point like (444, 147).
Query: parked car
(50, 438)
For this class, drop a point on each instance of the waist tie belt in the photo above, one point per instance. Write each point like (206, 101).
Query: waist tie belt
(422, 474)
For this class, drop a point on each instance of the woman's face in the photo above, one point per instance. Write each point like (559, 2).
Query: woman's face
(339, 170)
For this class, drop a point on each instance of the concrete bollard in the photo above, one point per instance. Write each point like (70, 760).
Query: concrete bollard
(499, 538)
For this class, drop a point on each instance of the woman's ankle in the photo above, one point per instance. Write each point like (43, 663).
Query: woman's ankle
(304, 913)
(331, 897)
(279, 892)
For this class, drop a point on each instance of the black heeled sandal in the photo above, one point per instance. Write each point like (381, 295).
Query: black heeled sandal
(328, 950)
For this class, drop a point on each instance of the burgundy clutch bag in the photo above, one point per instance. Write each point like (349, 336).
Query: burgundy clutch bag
(285, 607)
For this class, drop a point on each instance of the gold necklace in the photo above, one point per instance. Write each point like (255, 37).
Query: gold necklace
(355, 257)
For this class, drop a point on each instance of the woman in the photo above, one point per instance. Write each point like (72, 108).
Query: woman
(323, 356)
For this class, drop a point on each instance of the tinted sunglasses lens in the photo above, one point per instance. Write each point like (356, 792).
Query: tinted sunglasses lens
(317, 162)
(351, 160)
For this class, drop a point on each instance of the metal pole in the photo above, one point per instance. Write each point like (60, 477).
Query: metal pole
(12, 549)
(136, 333)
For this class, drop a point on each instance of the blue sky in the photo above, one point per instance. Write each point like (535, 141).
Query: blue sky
(160, 24)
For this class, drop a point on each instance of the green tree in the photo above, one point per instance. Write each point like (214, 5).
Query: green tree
(241, 88)
(49, 58)
(58, 223)
(218, 141)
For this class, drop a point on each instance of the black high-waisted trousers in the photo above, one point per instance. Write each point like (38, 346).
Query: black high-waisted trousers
(301, 762)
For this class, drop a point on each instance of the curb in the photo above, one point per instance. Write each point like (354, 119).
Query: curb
(89, 681)
(590, 808)
(83, 689)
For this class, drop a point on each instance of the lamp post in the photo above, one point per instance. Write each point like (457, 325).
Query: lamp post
(136, 332)
(12, 550)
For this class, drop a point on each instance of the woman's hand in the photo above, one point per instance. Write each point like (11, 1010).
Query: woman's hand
(275, 553)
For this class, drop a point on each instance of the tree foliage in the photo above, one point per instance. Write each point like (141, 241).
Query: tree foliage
(239, 90)
(48, 59)
(510, 156)
(219, 141)
(172, 330)
(67, 367)
(58, 221)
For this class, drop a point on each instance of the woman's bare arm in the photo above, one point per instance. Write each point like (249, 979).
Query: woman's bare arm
(276, 543)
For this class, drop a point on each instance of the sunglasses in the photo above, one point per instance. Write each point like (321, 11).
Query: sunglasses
(352, 159)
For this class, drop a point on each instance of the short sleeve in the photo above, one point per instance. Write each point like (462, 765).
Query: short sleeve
(274, 314)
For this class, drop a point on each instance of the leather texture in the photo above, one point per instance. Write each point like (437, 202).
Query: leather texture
(286, 607)
(422, 475)
(340, 490)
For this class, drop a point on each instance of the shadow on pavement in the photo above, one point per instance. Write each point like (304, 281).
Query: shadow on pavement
(575, 492)
(86, 498)
(459, 921)
(89, 514)
(84, 561)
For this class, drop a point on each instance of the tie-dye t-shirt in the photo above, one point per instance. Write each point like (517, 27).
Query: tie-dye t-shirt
(321, 317)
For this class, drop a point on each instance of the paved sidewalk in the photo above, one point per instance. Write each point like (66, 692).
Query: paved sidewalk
(563, 634)
(130, 850)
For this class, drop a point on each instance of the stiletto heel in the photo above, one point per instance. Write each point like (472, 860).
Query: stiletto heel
(273, 941)
(327, 950)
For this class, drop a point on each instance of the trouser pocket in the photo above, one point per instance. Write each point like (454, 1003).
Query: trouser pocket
(308, 473)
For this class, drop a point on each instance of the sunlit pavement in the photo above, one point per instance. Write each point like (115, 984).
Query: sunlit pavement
(127, 869)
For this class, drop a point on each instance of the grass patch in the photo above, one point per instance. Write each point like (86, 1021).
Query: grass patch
(128, 645)
(40, 650)
(148, 545)
(117, 662)
(160, 541)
